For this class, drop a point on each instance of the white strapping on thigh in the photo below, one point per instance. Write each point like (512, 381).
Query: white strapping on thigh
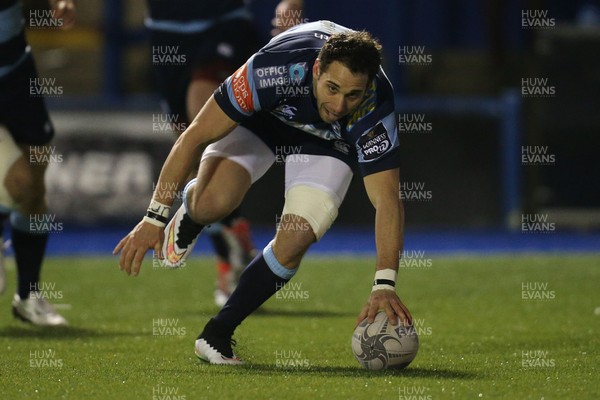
(316, 206)
(244, 148)
(315, 187)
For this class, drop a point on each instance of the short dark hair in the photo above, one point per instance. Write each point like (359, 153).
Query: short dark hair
(357, 50)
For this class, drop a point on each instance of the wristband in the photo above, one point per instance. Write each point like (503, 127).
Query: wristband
(157, 214)
(385, 279)
(154, 222)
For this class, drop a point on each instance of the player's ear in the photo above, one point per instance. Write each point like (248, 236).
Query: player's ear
(316, 70)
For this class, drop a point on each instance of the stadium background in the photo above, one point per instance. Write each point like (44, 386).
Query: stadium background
(464, 165)
(493, 301)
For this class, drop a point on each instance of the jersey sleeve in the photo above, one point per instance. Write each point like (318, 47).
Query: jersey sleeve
(237, 95)
(378, 147)
(377, 143)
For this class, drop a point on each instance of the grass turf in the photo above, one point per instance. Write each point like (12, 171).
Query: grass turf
(479, 337)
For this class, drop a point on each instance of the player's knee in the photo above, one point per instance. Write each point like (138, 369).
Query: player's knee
(21, 183)
(309, 211)
(12, 162)
(294, 236)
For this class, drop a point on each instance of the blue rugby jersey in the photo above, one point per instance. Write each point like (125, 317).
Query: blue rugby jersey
(192, 16)
(278, 80)
(13, 46)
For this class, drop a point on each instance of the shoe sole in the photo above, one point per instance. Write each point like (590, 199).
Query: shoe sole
(169, 241)
(20, 317)
(218, 359)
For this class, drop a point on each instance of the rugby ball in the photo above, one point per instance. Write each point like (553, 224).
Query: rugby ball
(381, 345)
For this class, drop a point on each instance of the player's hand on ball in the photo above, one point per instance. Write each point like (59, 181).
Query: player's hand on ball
(133, 247)
(388, 301)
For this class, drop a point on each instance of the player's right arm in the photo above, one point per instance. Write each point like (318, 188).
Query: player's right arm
(210, 125)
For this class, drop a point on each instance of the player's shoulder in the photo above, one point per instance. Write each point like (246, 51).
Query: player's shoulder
(311, 35)
(378, 102)
(385, 90)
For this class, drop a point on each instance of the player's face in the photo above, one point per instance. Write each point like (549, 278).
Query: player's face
(338, 91)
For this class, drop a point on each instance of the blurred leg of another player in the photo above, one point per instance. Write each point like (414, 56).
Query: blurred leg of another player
(210, 57)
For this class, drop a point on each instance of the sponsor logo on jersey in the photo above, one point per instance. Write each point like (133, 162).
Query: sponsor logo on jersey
(280, 75)
(365, 108)
(241, 89)
(266, 77)
(374, 142)
(341, 146)
(297, 73)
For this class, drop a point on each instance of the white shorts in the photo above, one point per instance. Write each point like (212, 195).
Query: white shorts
(321, 172)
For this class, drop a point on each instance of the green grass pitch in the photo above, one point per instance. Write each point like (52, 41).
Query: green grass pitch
(497, 327)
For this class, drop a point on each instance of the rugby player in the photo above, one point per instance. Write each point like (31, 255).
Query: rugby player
(29, 129)
(318, 88)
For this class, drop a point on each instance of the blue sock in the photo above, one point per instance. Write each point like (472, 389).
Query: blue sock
(261, 279)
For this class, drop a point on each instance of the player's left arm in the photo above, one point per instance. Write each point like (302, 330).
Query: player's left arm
(383, 191)
(64, 10)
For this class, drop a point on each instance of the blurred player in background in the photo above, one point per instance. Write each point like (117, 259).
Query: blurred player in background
(22, 188)
(318, 88)
(209, 40)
